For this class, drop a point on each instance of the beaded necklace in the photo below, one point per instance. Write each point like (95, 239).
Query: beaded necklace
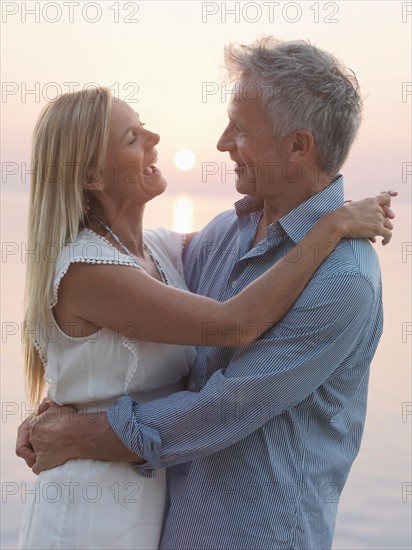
(134, 260)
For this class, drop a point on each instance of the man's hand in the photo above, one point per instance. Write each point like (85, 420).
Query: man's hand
(50, 437)
(23, 446)
(56, 434)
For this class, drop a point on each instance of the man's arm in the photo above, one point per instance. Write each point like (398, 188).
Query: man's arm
(321, 333)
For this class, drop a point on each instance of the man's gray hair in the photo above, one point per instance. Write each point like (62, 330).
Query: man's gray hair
(302, 87)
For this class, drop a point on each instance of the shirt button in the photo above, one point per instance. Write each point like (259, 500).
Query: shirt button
(234, 284)
(192, 387)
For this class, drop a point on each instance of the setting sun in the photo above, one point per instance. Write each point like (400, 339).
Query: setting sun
(185, 159)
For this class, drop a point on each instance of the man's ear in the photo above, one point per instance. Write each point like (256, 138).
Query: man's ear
(300, 145)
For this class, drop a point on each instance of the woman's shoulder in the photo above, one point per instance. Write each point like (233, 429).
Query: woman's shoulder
(90, 248)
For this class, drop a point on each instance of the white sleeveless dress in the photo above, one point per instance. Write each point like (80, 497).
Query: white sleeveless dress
(85, 503)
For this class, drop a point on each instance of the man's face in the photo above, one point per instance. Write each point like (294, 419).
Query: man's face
(249, 141)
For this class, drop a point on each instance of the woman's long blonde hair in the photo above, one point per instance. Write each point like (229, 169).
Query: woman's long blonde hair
(70, 139)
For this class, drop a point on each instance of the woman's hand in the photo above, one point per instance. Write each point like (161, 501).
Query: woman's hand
(367, 218)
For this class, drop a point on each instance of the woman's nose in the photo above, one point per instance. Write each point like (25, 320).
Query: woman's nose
(155, 137)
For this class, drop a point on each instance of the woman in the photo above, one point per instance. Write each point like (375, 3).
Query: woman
(106, 330)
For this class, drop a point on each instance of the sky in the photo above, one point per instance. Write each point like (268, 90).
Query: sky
(166, 60)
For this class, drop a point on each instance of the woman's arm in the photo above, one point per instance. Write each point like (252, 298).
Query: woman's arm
(130, 301)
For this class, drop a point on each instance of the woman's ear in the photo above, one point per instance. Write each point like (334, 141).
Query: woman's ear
(94, 179)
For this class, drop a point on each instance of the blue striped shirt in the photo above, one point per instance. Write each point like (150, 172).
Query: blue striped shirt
(259, 447)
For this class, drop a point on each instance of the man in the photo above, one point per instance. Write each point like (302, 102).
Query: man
(259, 447)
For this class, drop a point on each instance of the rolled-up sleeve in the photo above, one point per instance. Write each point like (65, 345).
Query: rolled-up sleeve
(317, 339)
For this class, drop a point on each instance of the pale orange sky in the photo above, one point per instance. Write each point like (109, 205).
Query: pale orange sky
(168, 50)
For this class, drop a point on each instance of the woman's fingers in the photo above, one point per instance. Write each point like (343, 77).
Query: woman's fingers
(386, 232)
(387, 236)
(375, 214)
(384, 201)
(388, 212)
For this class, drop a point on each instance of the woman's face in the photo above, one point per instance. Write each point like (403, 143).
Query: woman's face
(129, 171)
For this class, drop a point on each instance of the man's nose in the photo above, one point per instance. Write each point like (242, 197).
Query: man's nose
(225, 142)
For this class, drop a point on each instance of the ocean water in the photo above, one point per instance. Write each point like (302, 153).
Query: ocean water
(375, 508)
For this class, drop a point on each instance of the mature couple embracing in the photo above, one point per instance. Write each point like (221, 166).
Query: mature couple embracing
(246, 441)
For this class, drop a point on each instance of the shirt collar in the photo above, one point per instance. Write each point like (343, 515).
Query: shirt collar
(248, 204)
(299, 221)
